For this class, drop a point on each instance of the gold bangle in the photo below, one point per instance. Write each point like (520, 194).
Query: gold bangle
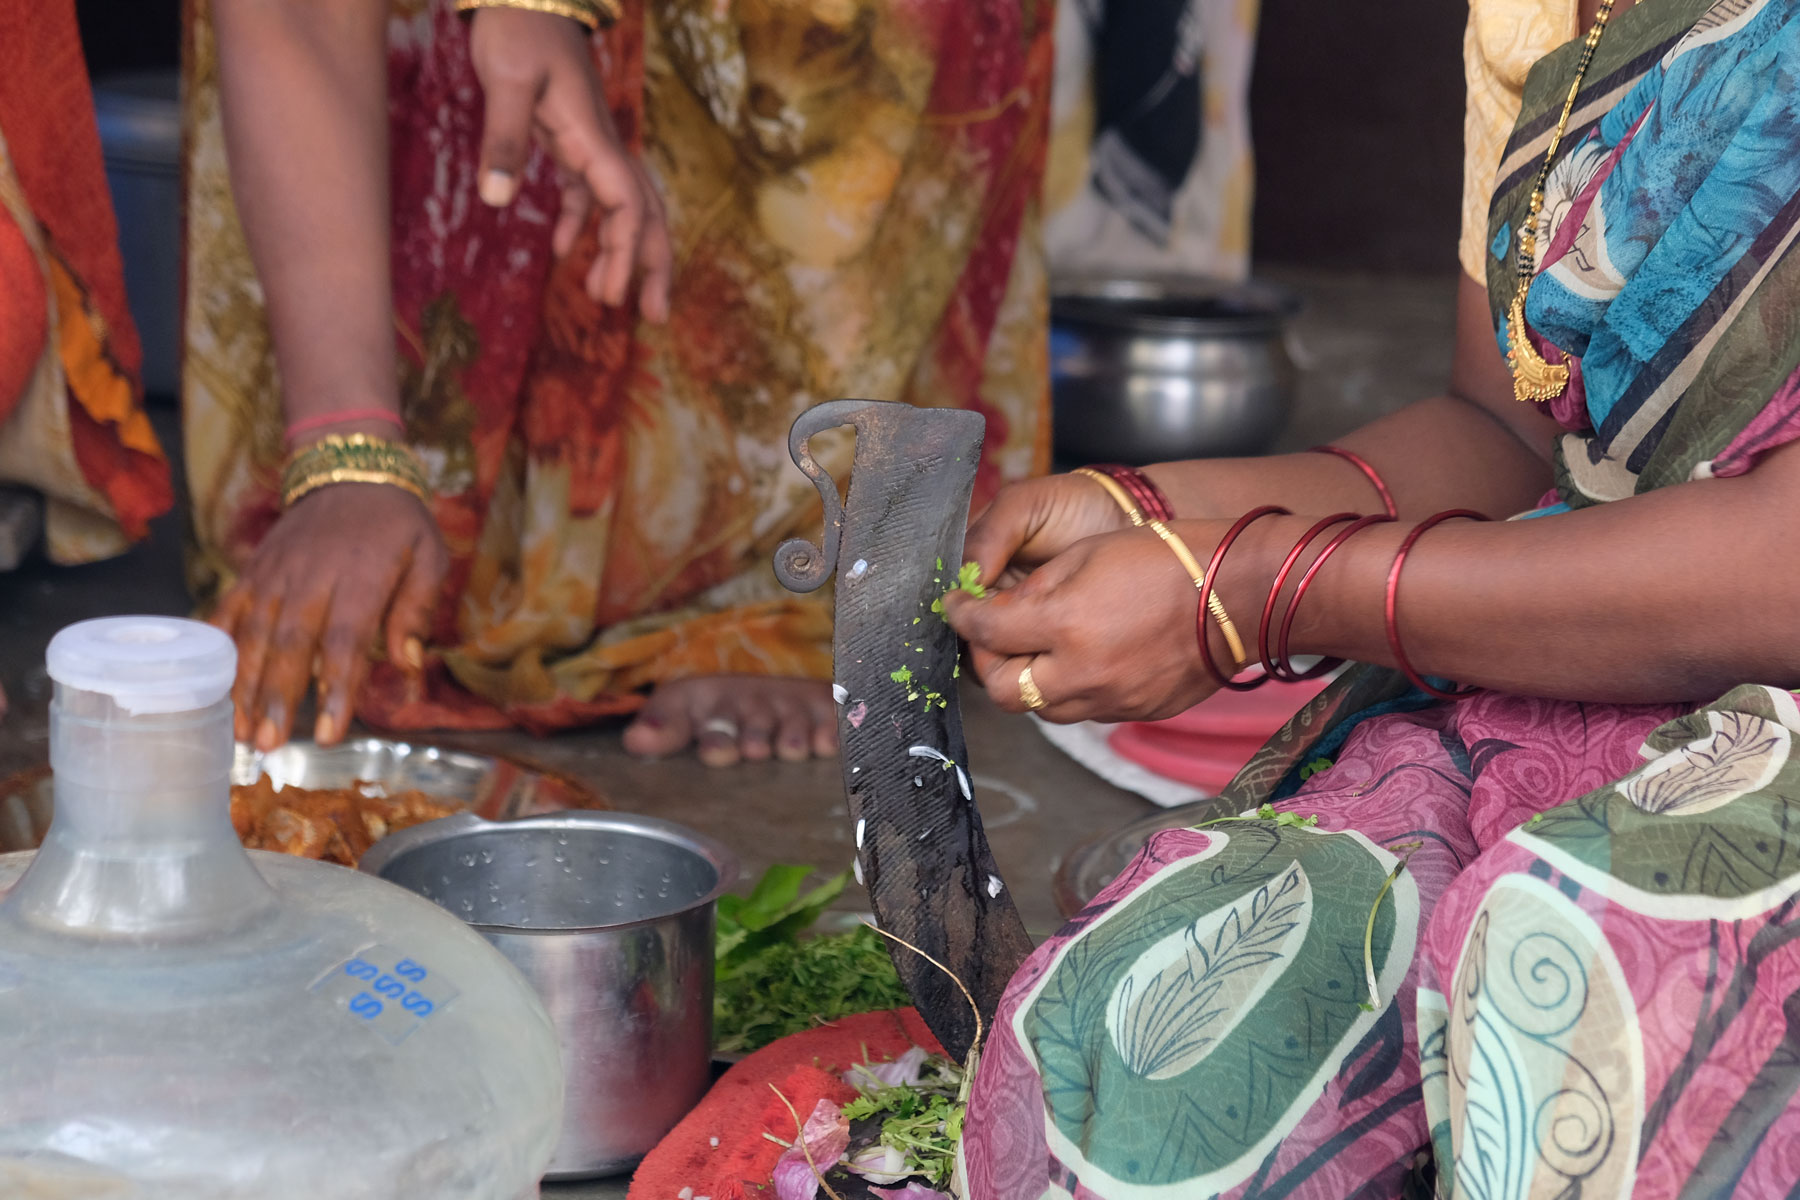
(1215, 607)
(1115, 491)
(356, 458)
(306, 486)
(591, 13)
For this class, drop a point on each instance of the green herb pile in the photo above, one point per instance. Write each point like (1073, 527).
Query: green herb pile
(770, 982)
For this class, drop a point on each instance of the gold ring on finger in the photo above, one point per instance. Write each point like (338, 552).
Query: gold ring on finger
(1029, 695)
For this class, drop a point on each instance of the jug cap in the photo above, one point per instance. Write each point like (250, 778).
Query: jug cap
(145, 664)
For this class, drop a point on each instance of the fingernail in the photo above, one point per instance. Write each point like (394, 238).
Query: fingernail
(325, 730)
(498, 188)
(413, 652)
(267, 735)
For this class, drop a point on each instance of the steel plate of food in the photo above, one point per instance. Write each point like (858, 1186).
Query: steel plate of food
(333, 803)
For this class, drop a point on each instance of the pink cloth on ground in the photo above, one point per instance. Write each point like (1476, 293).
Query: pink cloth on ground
(1208, 744)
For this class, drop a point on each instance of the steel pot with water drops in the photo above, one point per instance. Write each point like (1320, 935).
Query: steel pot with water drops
(611, 919)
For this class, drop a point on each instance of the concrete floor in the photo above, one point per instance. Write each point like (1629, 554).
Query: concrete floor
(1364, 345)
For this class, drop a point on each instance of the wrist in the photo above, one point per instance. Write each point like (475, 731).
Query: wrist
(590, 14)
(377, 421)
(1230, 607)
(355, 458)
(1340, 615)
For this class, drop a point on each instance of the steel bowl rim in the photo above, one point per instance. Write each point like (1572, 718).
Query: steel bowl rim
(1086, 300)
(723, 860)
(245, 754)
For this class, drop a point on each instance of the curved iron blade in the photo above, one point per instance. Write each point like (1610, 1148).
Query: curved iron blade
(895, 546)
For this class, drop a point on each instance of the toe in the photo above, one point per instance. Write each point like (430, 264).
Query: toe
(793, 737)
(756, 740)
(716, 717)
(825, 739)
(718, 746)
(662, 726)
(825, 726)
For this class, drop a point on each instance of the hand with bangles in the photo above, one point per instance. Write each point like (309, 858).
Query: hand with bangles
(1030, 523)
(1107, 629)
(347, 567)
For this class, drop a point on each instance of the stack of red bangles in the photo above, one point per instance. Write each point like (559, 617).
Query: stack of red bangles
(1146, 505)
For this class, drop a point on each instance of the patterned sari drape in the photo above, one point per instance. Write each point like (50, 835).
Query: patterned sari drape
(1530, 947)
(853, 197)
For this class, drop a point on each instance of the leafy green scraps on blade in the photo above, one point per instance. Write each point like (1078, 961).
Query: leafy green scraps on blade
(968, 579)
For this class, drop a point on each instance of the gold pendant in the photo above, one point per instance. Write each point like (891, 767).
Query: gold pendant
(1533, 378)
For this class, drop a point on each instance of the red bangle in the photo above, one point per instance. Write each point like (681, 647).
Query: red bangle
(1206, 590)
(1356, 460)
(1143, 491)
(344, 417)
(1279, 667)
(1287, 620)
(1393, 594)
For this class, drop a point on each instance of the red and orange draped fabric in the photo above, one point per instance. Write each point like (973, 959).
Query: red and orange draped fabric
(853, 190)
(72, 422)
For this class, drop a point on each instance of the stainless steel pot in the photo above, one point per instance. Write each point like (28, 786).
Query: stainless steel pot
(611, 919)
(1152, 368)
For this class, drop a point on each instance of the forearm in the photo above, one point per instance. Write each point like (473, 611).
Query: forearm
(304, 99)
(1674, 595)
(1475, 447)
(1436, 454)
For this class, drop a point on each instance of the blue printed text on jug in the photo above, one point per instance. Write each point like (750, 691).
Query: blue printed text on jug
(386, 990)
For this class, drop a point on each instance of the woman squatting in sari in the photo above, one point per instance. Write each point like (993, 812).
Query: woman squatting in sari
(850, 192)
(1542, 940)
(72, 423)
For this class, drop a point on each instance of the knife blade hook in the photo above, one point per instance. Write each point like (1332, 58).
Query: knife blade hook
(800, 565)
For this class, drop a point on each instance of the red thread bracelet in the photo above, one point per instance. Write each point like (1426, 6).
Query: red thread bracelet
(1141, 488)
(1280, 668)
(1287, 620)
(1206, 590)
(344, 417)
(1360, 463)
(1393, 595)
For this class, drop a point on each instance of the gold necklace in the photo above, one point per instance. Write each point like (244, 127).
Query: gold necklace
(1533, 377)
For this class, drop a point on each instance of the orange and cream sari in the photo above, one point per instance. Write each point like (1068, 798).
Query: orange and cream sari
(72, 421)
(853, 192)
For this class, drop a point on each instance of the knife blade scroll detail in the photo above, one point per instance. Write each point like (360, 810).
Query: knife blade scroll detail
(895, 545)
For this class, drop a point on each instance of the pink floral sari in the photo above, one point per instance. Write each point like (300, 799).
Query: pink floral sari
(1510, 947)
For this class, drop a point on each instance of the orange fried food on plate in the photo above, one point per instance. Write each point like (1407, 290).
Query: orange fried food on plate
(250, 807)
(289, 831)
(335, 825)
(383, 815)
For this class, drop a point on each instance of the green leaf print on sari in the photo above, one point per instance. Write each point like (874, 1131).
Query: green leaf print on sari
(1176, 1050)
(1701, 831)
(1533, 1078)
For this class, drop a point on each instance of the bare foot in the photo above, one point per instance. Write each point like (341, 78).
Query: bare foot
(737, 718)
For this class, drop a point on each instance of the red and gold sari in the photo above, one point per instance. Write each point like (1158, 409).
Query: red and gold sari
(853, 193)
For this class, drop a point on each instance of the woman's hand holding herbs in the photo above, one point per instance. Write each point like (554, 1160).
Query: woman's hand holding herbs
(1107, 628)
(1029, 523)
